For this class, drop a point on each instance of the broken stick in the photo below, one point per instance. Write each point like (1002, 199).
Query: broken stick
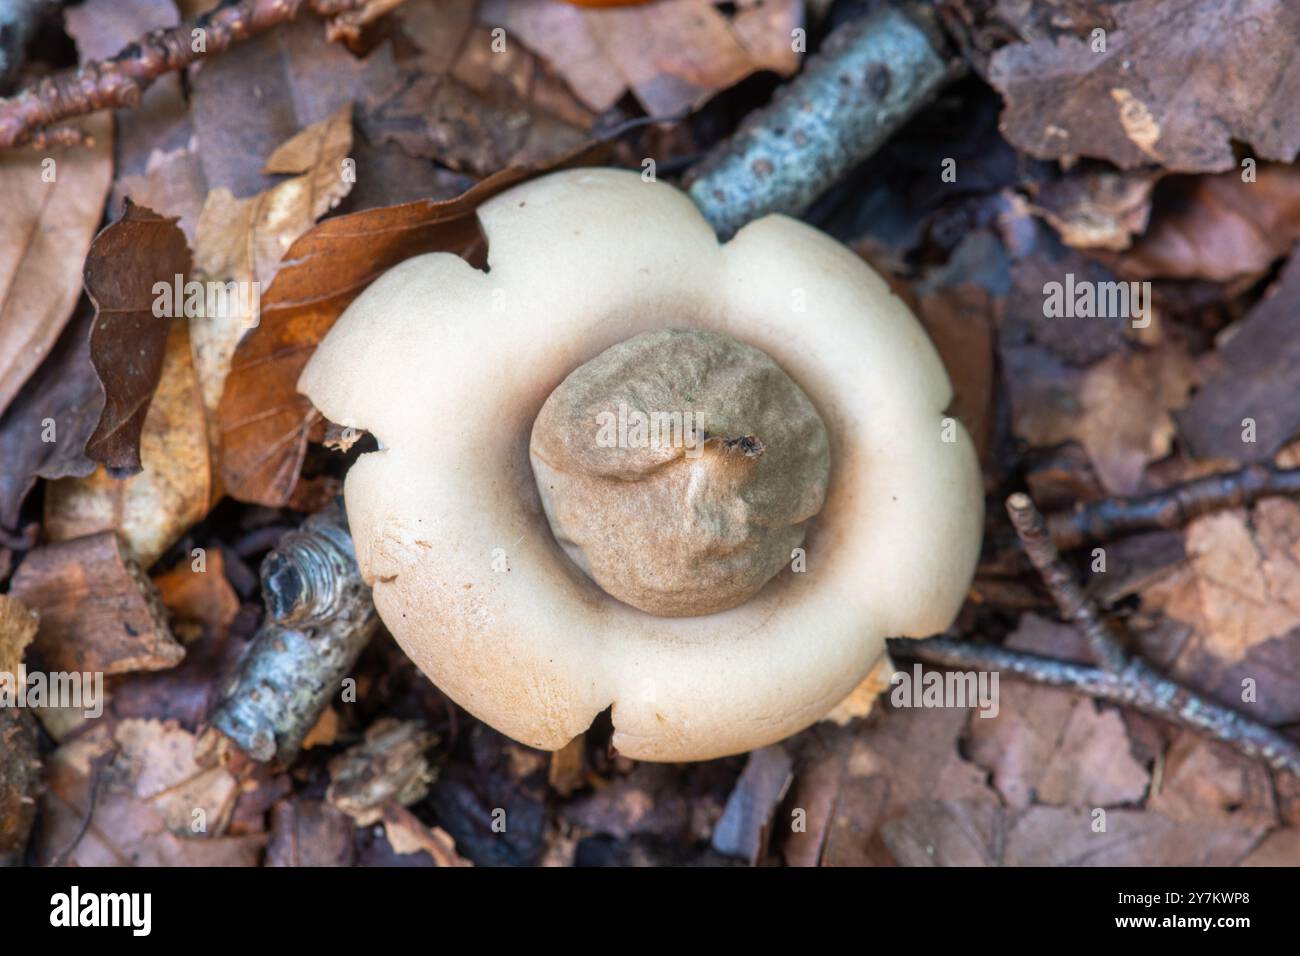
(320, 618)
(869, 78)
(1170, 508)
(1123, 679)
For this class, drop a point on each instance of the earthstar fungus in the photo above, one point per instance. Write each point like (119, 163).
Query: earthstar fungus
(783, 330)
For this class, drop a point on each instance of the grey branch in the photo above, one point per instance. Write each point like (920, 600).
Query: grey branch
(320, 618)
(869, 78)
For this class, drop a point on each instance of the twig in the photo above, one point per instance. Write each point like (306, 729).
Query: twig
(1171, 508)
(119, 82)
(1078, 609)
(1138, 686)
(870, 76)
(321, 618)
(1123, 679)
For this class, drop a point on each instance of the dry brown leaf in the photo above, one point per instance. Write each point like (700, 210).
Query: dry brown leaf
(474, 101)
(1279, 848)
(1206, 783)
(902, 756)
(408, 835)
(388, 765)
(199, 596)
(1050, 746)
(1222, 229)
(674, 55)
(650, 801)
(17, 628)
(1249, 404)
(154, 508)
(1118, 409)
(1126, 400)
(243, 240)
(310, 833)
(1097, 209)
(960, 321)
(1241, 583)
(1053, 747)
(128, 341)
(1179, 80)
(172, 183)
(53, 203)
(133, 796)
(264, 421)
(64, 402)
(964, 832)
(558, 32)
(478, 133)
(98, 611)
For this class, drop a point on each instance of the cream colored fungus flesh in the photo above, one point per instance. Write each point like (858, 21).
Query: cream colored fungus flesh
(448, 367)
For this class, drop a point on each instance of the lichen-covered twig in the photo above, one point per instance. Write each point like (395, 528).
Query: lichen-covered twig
(320, 618)
(119, 82)
(1174, 507)
(870, 76)
(1123, 679)
(1138, 686)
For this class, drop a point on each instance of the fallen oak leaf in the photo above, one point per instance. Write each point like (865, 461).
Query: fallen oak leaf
(128, 339)
(263, 420)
